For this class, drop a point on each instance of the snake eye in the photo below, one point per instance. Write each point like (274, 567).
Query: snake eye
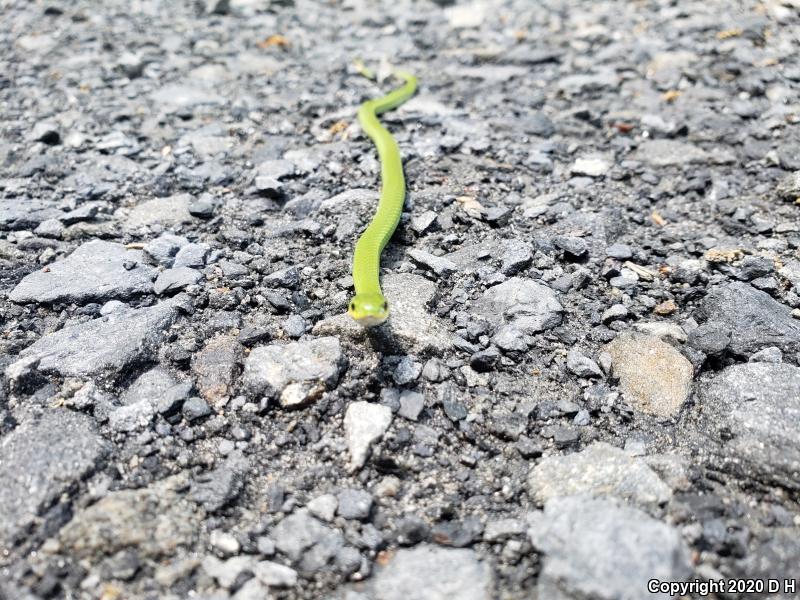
(352, 306)
(383, 306)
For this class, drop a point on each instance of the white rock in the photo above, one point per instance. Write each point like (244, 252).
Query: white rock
(364, 424)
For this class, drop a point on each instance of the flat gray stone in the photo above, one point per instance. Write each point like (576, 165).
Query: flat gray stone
(754, 318)
(437, 264)
(165, 212)
(411, 326)
(96, 271)
(595, 548)
(598, 470)
(40, 460)
(429, 572)
(174, 280)
(527, 305)
(667, 153)
(751, 412)
(109, 344)
(295, 373)
(26, 213)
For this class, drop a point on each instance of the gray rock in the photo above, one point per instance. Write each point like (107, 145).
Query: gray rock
(295, 373)
(516, 257)
(217, 7)
(95, 271)
(195, 408)
(437, 264)
(203, 207)
(575, 247)
(228, 571)
(411, 404)
(191, 255)
(163, 249)
(178, 96)
(538, 124)
(407, 370)
(598, 470)
(614, 313)
(767, 355)
(51, 228)
(431, 573)
(458, 533)
(273, 574)
(750, 411)
(582, 366)
(776, 557)
(132, 416)
(595, 548)
(354, 504)
(165, 212)
(324, 507)
(308, 543)
(619, 251)
(500, 529)
(221, 486)
(27, 213)
(294, 326)
(711, 338)
(529, 306)
(287, 278)
(39, 461)
(149, 386)
(789, 187)
(364, 424)
(108, 344)
(276, 169)
(175, 280)
(654, 377)
(754, 319)
(510, 339)
(423, 222)
(153, 521)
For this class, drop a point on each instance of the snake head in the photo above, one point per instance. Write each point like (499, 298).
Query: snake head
(368, 309)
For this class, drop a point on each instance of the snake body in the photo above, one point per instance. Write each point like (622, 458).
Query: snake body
(368, 306)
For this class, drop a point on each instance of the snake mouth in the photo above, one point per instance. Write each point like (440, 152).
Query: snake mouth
(370, 320)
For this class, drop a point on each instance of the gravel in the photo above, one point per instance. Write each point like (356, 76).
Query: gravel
(594, 296)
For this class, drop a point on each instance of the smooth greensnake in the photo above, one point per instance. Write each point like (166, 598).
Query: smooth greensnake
(368, 306)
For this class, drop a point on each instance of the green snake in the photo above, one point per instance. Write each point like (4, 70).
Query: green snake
(368, 306)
